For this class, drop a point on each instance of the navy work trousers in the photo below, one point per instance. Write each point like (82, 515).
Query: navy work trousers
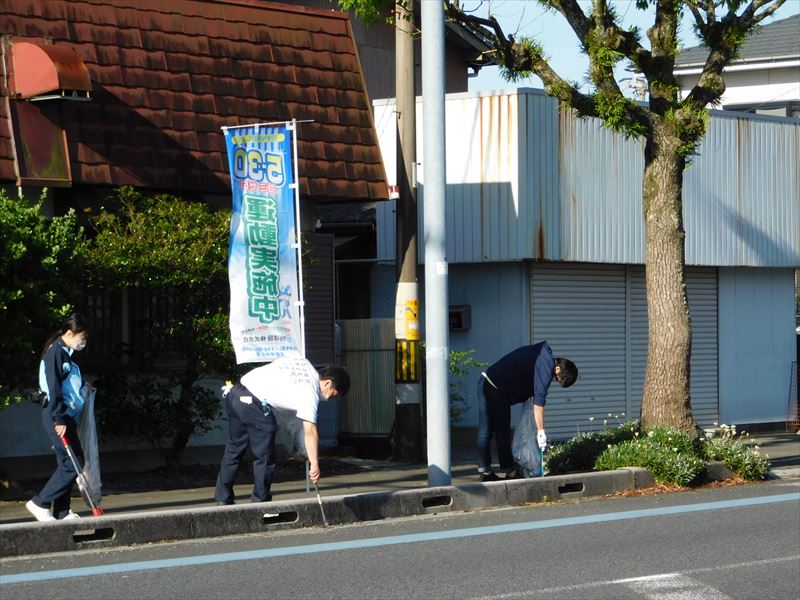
(248, 422)
(494, 420)
(58, 488)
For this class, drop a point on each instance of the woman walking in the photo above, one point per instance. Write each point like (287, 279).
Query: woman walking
(60, 382)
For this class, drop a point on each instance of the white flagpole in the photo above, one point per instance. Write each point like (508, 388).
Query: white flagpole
(298, 237)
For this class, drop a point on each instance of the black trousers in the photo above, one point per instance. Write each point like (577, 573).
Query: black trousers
(58, 488)
(248, 422)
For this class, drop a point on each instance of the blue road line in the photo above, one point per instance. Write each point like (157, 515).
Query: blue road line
(189, 561)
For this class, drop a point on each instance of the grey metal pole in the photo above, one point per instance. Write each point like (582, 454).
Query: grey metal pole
(436, 342)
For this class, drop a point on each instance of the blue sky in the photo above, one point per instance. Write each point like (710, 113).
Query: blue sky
(526, 17)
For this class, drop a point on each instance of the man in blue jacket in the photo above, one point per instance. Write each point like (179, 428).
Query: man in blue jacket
(521, 374)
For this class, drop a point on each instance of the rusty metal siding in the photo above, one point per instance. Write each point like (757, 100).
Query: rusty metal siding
(600, 190)
(538, 145)
(526, 180)
(742, 193)
(483, 214)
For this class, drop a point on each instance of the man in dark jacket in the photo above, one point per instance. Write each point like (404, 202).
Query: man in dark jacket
(521, 374)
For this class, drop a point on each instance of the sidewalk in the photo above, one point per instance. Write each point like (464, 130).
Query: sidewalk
(783, 450)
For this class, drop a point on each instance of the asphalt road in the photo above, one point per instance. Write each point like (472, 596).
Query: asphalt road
(710, 544)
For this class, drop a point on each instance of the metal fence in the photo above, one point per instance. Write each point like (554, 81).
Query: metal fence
(368, 354)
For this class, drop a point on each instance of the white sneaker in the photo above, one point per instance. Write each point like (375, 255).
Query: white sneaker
(41, 514)
(71, 515)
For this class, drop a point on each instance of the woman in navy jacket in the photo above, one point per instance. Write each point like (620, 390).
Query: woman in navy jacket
(60, 382)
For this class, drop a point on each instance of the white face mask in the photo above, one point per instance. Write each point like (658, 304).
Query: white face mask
(79, 346)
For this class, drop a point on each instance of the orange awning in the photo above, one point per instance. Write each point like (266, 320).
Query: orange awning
(47, 72)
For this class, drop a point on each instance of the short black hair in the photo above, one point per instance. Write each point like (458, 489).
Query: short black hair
(338, 376)
(568, 373)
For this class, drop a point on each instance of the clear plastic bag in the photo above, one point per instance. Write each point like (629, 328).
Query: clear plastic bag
(524, 446)
(87, 433)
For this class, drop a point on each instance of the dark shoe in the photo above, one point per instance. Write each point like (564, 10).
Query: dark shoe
(514, 473)
(488, 476)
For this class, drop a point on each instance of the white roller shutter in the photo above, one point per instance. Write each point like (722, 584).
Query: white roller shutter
(580, 310)
(701, 289)
(596, 315)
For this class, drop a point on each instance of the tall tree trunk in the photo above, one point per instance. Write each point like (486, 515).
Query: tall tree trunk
(666, 399)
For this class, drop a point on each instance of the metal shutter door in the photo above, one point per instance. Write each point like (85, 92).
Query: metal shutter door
(580, 310)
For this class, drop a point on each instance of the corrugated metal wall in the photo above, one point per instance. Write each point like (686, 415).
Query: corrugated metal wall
(527, 181)
(599, 193)
(742, 195)
(368, 354)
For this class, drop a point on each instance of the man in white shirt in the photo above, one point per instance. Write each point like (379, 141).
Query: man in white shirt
(291, 384)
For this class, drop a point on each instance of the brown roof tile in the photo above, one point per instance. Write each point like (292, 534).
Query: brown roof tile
(167, 75)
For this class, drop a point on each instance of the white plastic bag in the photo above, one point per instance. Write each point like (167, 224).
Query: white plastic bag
(291, 434)
(524, 446)
(87, 433)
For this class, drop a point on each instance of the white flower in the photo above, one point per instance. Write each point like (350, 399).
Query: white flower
(651, 433)
(591, 419)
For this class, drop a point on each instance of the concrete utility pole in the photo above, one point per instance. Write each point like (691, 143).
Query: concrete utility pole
(408, 393)
(436, 350)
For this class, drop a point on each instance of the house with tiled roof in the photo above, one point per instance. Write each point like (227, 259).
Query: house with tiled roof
(764, 79)
(160, 79)
(103, 93)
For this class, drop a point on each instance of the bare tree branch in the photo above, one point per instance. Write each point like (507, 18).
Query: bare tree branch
(723, 48)
(749, 17)
(698, 17)
(526, 56)
(516, 57)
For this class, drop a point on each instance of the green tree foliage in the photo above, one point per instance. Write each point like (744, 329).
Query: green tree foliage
(42, 281)
(372, 11)
(177, 251)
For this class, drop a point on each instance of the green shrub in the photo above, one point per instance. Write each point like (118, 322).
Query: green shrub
(41, 262)
(669, 455)
(581, 452)
(740, 458)
(672, 456)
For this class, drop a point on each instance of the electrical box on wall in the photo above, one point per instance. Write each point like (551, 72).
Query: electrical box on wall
(459, 317)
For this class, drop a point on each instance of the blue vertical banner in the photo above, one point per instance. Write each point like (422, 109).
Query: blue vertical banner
(265, 318)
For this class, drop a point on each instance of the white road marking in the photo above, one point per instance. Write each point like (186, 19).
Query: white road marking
(674, 586)
(562, 590)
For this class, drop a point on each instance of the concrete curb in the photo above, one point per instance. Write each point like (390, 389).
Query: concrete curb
(164, 526)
